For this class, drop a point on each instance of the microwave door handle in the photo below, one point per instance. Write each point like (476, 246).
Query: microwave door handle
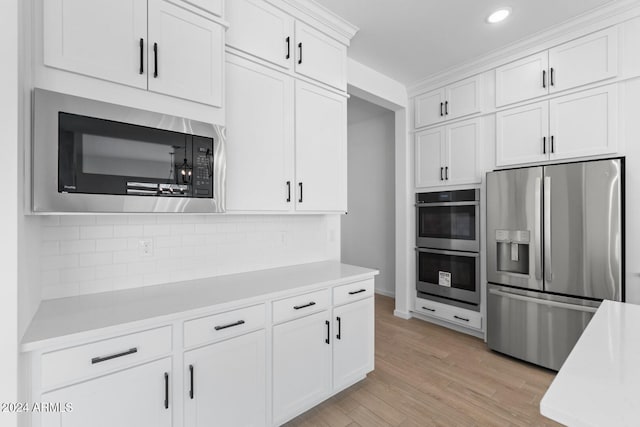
(537, 225)
(548, 269)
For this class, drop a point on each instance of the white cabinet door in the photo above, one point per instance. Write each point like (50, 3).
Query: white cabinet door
(185, 54)
(522, 134)
(229, 383)
(135, 397)
(523, 79)
(429, 157)
(585, 123)
(353, 347)
(463, 151)
(100, 38)
(320, 57)
(301, 365)
(259, 106)
(321, 149)
(462, 98)
(586, 60)
(429, 108)
(260, 29)
(213, 6)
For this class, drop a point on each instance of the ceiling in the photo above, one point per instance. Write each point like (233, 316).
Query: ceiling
(409, 40)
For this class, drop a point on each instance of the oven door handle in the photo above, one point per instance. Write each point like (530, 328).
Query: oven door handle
(427, 205)
(444, 252)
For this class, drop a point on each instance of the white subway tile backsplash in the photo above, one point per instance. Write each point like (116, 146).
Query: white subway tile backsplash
(89, 254)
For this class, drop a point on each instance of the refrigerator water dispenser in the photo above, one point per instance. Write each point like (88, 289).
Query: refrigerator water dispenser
(513, 251)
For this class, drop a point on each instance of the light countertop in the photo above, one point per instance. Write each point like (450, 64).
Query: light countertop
(63, 320)
(599, 384)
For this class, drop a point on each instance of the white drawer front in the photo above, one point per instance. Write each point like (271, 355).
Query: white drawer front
(353, 292)
(224, 325)
(90, 360)
(459, 316)
(300, 305)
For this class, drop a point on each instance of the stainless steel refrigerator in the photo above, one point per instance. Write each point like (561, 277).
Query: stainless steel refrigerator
(554, 252)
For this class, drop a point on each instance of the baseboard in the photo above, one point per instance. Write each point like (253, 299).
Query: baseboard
(389, 294)
(402, 314)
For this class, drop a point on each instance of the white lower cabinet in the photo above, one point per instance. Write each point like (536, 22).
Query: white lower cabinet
(225, 383)
(459, 316)
(301, 365)
(353, 347)
(135, 397)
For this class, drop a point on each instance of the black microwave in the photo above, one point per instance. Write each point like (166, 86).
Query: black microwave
(90, 156)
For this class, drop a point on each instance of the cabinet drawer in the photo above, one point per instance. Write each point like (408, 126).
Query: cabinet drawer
(90, 360)
(300, 305)
(223, 325)
(353, 292)
(459, 316)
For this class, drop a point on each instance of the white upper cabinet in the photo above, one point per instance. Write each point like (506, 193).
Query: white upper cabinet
(320, 57)
(262, 30)
(521, 134)
(225, 383)
(523, 79)
(584, 124)
(586, 60)
(213, 6)
(579, 62)
(106, 39)
(260, 155)
(321, 149)
(457, 100)
(448, 155)
(185, 54)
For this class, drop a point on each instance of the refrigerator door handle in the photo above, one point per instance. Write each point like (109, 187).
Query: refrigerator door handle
(549, 303)
(536, 229)
(548, 268)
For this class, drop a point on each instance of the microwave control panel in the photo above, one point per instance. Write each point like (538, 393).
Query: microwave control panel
(202, 167)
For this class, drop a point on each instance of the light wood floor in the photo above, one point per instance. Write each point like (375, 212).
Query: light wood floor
(427, 375)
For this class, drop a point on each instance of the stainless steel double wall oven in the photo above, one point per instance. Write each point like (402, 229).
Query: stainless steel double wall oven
(448, 247)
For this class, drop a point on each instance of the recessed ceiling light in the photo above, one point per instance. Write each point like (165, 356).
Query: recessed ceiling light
(499, 15)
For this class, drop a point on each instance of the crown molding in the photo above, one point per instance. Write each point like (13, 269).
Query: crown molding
(310, 10)
(586, 23)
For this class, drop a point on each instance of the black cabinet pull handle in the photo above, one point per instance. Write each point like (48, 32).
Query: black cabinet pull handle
(230, 325)
(113, 356)
(446, 173)
(441, 107)
(298, 307)
(300, 199)
(288, 191)
(191, 381)
(544, 145)
(357, 292)
(166, 390)
(446, 108)
(339, 336)
(553, 148)
(461, 318)
(544, 79)
(155, 60)
(552, 80)
(429, 309)
(141, 56)
(326, 322)
(288, 39)
(441, 176)
(300, 57)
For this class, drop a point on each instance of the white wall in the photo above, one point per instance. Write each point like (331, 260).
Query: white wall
(368, 230)
(90, 254)
(9, 136)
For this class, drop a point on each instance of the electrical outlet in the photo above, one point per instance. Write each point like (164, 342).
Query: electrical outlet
(146, 247)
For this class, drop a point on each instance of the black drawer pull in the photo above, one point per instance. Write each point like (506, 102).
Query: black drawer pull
(441, 177)
(300, 199)
(298, 307)
(155, 60)
(446, 173)
(191, 381)
(339, 336)
(552, 80)
(300, 57)
(141, 56)
(544, 145)
(446, 108)
(288, 39)
(461, 318)
(326, 322)
(288, 191)
(166, 390)
(441, 112)
(553, 148)
(544, 79)
(230, 325)
(113, 356)
(357, 292)
(429, 309)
